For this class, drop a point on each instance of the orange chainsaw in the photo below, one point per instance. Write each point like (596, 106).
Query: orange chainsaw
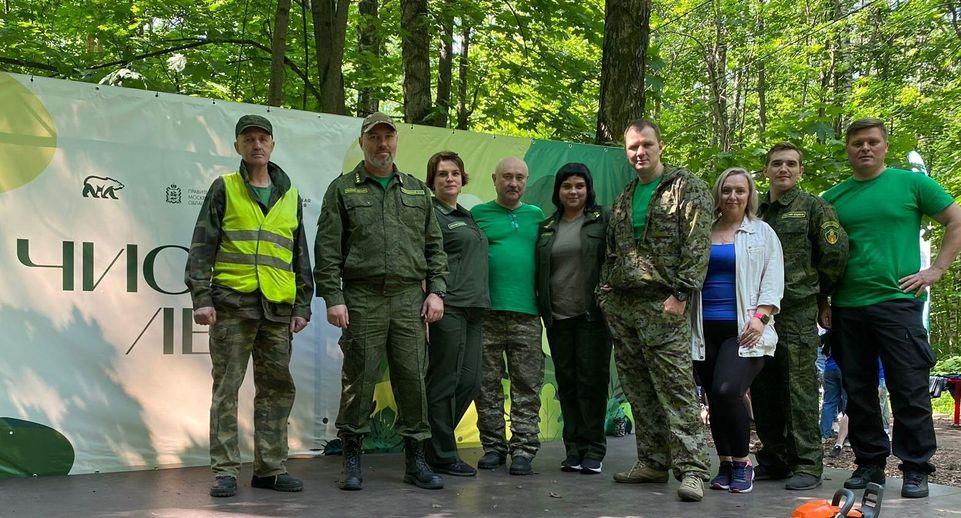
(842, 505)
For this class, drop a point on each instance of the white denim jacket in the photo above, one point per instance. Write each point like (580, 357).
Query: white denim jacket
(758, 280)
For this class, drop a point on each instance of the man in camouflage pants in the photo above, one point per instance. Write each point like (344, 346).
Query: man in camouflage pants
(248, 272)
(512, 327)
(658, 244)
(785, 394)
(377, 241)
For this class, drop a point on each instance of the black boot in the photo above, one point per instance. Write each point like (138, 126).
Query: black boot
(418, 472)
(353, 477)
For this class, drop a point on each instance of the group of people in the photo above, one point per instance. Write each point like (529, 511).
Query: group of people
(683, 284)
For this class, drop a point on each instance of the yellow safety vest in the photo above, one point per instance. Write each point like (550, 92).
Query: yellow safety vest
(257, 251)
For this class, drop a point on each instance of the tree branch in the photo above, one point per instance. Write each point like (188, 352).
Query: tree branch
(29, 64)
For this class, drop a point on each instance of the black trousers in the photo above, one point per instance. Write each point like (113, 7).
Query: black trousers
(893, 331)
(581, 352)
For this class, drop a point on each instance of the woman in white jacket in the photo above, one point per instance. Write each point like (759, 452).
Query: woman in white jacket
(732, 320)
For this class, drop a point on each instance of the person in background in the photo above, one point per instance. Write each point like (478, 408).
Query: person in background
(732, 320)
(570, 252)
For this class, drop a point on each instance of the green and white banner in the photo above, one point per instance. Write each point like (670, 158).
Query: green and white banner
(101, 366)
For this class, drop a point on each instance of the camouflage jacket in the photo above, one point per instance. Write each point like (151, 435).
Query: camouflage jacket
(674, 250)
(814, 243)
(366, 234)
(206, 242)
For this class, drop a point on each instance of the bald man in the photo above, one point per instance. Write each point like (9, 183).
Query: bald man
(512, 325)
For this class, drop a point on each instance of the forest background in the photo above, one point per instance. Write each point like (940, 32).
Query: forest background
(726, 79)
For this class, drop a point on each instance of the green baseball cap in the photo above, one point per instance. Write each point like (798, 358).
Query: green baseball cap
(374, 119)
(253, 121)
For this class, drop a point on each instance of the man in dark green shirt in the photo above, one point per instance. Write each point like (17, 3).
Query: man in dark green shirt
(785, 394)
(377, 242)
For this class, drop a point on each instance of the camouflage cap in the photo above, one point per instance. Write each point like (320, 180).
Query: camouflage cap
(253, 121)
(374, 119)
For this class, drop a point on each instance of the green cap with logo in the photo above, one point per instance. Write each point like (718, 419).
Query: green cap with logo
(253, 121)
(374, 119)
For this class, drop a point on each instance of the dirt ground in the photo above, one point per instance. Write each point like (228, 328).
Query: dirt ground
(947, 460)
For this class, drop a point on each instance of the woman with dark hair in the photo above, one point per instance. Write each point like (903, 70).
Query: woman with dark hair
(454, 342)
(732, 320)
(570, 251)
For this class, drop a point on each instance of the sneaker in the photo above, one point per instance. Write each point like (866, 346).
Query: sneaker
(763, 472)
(224, 485)
(282, 482)
(803, 482)
(641, 474)
(491, 460)
(835, 451)
(863, 476)
(742, 477)
(692, 488)
(571, 464)
(456, 468)
(723, 478)
(521, 466)
(915, 485)
(591, 466)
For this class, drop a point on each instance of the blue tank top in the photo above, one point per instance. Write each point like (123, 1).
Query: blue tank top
(718, 297)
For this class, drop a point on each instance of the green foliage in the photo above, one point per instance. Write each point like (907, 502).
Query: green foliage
(382, 437)
(945, 366)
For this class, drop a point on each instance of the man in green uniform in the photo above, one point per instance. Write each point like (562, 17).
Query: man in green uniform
(377, 243)
(248, 272)
(658, 244)
(785, 394)
(512, 326)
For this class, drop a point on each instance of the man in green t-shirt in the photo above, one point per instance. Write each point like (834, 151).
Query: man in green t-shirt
(512, 325)
(876, 309)
(658, 245)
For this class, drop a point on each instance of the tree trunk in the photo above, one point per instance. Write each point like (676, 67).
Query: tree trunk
(715, 57)
(275, 94)
(627, 34)
(415, 50)
(761, 78)
(303, 20)
(330, 30)
(445, 62)
(368, 43)
(463, 74)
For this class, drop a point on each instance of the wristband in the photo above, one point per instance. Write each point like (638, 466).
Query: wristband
(762, 317)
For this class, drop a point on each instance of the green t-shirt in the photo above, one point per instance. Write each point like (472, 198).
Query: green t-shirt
(263, 194)
(882, 217)
(640, 204)
(512, 235)
(383, 180)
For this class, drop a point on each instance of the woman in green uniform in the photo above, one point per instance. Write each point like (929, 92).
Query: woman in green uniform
(454, 342)
(570, 251)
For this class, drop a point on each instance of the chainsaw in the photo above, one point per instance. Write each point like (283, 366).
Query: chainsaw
(842, 505)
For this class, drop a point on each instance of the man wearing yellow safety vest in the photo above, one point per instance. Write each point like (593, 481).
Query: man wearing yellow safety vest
(249, 275)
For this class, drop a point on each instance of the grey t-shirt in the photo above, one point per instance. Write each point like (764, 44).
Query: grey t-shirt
(567, 290)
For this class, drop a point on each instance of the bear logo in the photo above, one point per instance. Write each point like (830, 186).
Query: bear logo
(101, 187)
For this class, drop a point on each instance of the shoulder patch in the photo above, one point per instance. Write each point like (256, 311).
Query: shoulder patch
(830, 224)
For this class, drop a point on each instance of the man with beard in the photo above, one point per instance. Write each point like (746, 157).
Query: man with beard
(377, 243)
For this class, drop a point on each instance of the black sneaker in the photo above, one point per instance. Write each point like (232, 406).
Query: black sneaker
(590, 466)
(915, 485)
(491, 460)
(225, 485)
(457, 469)
(521, 466)
(803, 482)
(283, 482)
(863, 476)
(763, 472)
(571, 464)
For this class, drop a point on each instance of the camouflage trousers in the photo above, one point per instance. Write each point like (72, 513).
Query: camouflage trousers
(652, 351)
(383, 325)
(785, 396)
(517, 337)
(233, 340)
